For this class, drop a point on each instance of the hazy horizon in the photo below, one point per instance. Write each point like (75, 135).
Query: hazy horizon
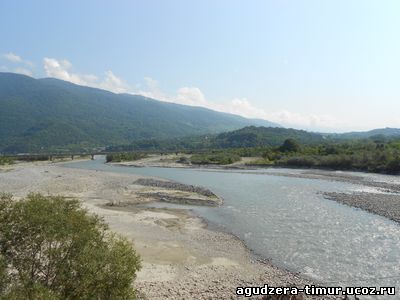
(319, 66)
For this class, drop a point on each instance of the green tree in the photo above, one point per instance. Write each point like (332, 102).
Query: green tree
(52, 248)
(3, 275)
(290, 145)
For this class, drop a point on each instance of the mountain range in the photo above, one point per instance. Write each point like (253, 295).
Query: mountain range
(374, 133)
(51, 114)
(39, 115)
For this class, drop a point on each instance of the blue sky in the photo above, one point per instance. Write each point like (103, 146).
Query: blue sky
(319, 65)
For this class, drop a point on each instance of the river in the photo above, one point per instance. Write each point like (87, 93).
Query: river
(287, 220)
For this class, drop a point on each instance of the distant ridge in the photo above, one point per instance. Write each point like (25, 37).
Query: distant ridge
(383, 132)
(249, 136)
(41, 114)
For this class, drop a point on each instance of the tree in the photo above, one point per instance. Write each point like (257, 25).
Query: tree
(52, 248)
(290, 145)
(3, 275)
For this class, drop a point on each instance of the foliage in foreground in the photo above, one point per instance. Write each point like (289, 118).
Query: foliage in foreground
(51, 248)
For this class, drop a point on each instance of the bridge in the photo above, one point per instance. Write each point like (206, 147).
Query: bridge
(50, 156)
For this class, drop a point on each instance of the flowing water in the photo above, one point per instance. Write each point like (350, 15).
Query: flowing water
(287, 220)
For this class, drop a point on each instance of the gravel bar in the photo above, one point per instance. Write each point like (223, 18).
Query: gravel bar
(175, 186)
(386, 205)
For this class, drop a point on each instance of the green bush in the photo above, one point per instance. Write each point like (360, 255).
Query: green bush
(215, 158)
(30, 158)
(290, 145)
(302, 161)
(393, 166)
(127, 156)
(4, 160)
(51, 248)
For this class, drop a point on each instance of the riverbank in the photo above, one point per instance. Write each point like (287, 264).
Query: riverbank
(245, 163)
(181, 160)
(182, 257)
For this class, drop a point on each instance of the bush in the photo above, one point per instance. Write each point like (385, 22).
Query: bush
(393, 166)
(302, 161)
(336, 161)
(290, 145)
(6, 160)
(51, 248)
(31, 158)
(127, 156)
(215, 158)
(183, 160)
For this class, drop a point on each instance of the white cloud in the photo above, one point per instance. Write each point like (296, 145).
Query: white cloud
(319, 122)
(113, 83)
(14, 58)
(26, 68)
(23, 71)
(152, 90)
(191, 96)
(241, 106)
(58, 69)
(151, 83)
(186, 95)
(61, 69)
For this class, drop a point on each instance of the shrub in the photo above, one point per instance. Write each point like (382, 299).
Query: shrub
(30, 158)
(183, 160)
(393, 166)
(6, 160)
(215, 158)
(336, 161)
(51, 248)
(302, 161)
(290, 145)
(127, 156)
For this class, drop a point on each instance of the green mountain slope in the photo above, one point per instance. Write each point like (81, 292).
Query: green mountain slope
(250, 136)
(42, 114)
(264, 136)
(380, 132)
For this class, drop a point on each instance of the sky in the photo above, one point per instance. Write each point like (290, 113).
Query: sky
(329, 66)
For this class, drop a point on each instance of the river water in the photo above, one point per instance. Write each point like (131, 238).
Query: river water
(286, 220)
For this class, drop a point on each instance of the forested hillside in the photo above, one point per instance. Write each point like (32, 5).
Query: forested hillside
(43, 114)
(250, 136)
